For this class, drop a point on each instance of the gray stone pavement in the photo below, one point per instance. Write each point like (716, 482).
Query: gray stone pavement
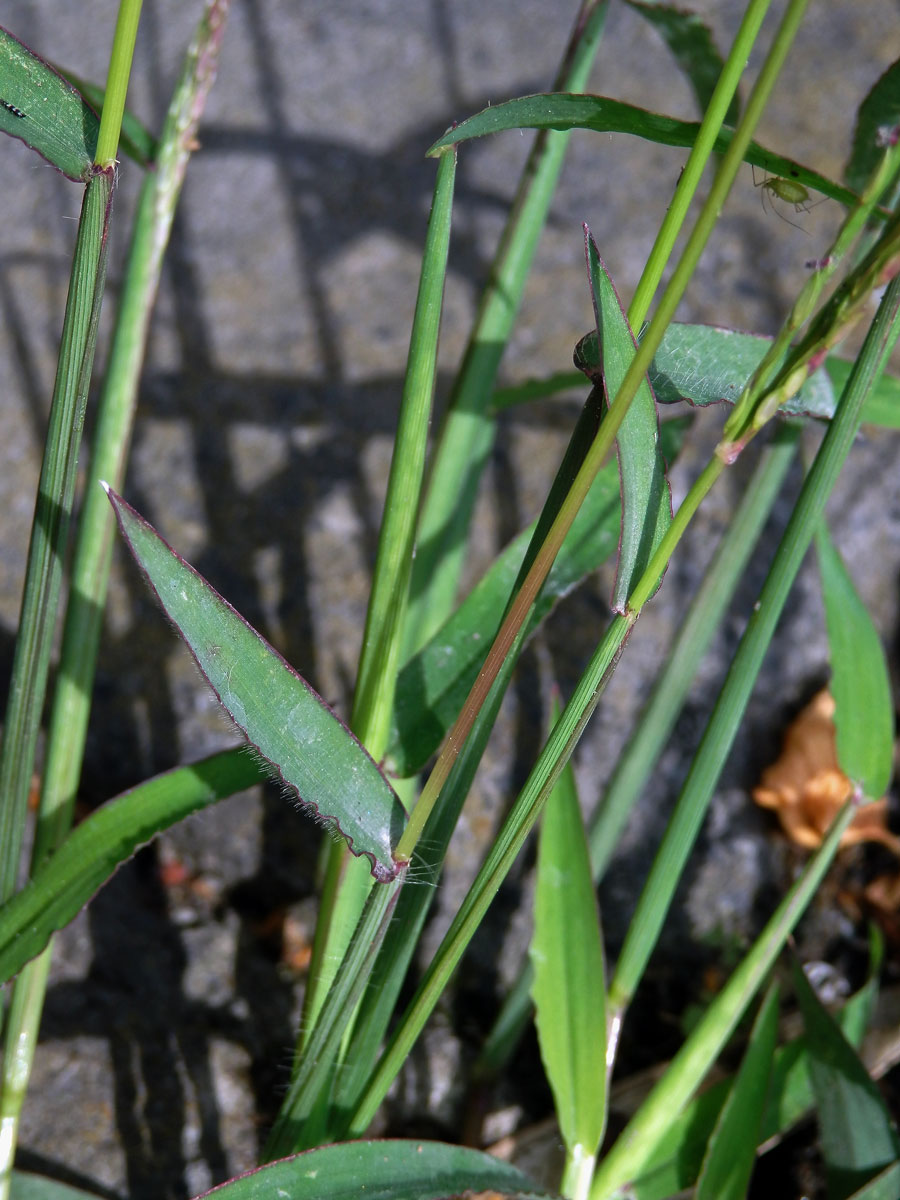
(261, 451)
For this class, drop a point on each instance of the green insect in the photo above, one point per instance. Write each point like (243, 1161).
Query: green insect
(789, 191)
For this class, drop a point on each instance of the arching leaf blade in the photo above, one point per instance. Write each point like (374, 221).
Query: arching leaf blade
(45, 111)
(385, 1170)
(562, 110)
(103, 841)
(311, 750)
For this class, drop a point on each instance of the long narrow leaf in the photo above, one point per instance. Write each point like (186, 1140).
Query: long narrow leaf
(569, 988)
(465, 441)
(560, 110)
(646, 499)
(732, 1148)
(635, 1145)
(864, 710)
(289, 724)
(50, 527)
(106, 839)
(383, 636)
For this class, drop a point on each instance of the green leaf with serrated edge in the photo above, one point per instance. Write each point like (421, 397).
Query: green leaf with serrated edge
(856, 1134)
(690, 40)
(311, 751)
(38, 106)
(883, 405)
(677, 1157)
(384, 1170)
(646, 499)
(705, 365)
(94, 849)
(434, 684)
(25, 1186)
(563, 110)
(569, 987)
(860, 686)
(878, 115)
(731, 1152)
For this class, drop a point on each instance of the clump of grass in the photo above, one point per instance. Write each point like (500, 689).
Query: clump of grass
(391, 782)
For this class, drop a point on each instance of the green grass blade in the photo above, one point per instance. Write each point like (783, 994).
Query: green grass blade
(731, 1153)
(379, 1003)
(569, 977)
(646, 498)
(561, 111)
(387, 1170)
(45, 111)
(90, 569)
(373, 699)
(49, 534)
(690, 40)
(117, 78)
(115, 420)
(374, 696)
(502, 854)
(316, 1067)
(103, 841)
(722, 728)
(856, 1133)
(402, 938)
(860, 686)
(635, 1145)
(287, 722)
(467, 435)
(708, 607)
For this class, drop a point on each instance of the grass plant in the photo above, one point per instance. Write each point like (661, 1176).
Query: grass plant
(390, 783)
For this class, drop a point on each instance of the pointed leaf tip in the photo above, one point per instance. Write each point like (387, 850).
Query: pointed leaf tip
(310, 750)
(646, 498)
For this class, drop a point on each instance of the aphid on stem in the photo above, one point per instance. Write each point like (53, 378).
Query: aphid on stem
(790, 191)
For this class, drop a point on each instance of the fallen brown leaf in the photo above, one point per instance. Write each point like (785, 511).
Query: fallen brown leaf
(806, 787)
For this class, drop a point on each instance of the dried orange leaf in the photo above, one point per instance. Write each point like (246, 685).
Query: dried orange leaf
(806, 787)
